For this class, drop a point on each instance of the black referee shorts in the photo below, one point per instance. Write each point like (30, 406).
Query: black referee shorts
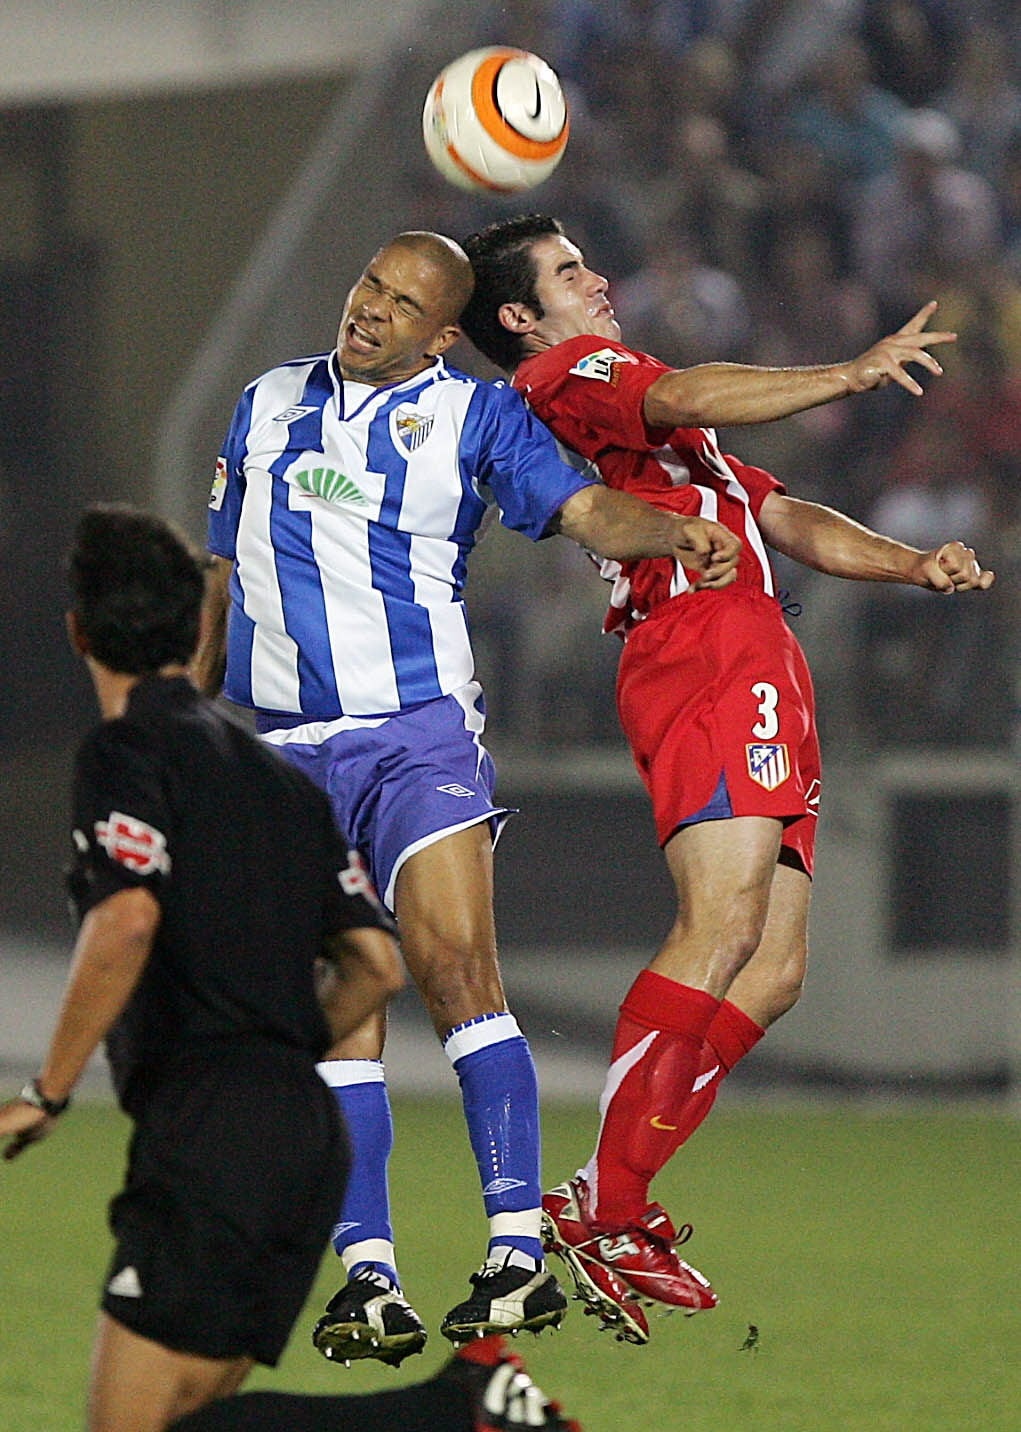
(235, 1176)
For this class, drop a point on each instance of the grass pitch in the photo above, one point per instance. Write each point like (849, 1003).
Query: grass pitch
(876, 1252)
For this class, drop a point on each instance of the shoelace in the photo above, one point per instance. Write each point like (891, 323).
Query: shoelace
(492, 1270)
(488, 1270)
(378, 1280)
(680, 1236)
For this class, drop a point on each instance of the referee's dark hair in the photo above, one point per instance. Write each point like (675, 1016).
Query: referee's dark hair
(138, 588)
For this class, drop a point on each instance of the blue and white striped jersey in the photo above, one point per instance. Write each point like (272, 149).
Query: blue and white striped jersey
(349, 512)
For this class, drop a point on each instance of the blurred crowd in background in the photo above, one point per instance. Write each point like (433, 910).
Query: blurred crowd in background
(781, 182)
(764, 181)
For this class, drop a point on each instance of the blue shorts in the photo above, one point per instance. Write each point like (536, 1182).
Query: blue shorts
(399, 783)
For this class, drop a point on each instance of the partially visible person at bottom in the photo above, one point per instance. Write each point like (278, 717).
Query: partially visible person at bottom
(716, 700)
(227, 934)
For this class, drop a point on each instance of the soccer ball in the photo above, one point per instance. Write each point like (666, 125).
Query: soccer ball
(496, 120)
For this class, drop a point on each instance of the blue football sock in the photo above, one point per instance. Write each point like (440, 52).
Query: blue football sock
(500, 1093)
(363, 1235)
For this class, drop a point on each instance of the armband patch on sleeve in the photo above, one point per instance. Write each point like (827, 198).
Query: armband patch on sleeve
(603, 364)
(219, 488)
(354, 880)
(139, 847)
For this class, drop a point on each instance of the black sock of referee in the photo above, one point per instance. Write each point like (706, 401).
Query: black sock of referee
(423, 1407)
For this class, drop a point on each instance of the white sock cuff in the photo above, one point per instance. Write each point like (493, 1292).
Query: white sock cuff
(526, 1224)
(507, 1256)
(480, 1033)
(369, 1250)
(339, 1073)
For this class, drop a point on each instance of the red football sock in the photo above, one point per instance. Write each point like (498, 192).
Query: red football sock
(656, 1053)
(730, 1037)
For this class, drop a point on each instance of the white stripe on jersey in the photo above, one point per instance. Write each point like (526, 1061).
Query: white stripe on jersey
(679, 476)
(355, 613)
(354, 648)
(716, 462)
(350, 512)
(274, 653)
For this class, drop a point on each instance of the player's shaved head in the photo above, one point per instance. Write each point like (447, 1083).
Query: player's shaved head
(448, 258)
(402, 312)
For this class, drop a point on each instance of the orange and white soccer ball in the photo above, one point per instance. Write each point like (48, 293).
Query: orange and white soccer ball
(496, 120)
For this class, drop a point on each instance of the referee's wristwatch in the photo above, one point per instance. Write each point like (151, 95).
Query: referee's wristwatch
(32, 1094)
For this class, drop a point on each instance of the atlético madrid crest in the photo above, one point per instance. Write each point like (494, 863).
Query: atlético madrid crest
(768, 764)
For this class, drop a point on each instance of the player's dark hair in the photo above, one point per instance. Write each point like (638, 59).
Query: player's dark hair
(505, 272)
(138, 589)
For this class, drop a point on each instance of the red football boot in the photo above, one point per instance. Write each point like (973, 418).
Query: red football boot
(605, 1296)
(642, 1254)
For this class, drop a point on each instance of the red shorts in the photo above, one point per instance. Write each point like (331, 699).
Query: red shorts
(716, 701)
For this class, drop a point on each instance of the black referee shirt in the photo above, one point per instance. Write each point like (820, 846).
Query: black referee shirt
(242, 853)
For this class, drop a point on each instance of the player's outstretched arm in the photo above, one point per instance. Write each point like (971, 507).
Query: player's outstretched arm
(831, 542)
(725, 394)
(622, 526)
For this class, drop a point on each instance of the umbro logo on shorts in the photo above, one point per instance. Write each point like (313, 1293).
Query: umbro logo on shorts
(454, 789)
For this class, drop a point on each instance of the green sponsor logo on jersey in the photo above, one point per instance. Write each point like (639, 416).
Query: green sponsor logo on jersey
(331, 486)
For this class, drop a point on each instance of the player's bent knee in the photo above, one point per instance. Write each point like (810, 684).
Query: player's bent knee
(723, 949)
(785, 992)
(455, 993)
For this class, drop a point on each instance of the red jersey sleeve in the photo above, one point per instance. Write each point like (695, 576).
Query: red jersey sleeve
(591, 391)
(756, 481)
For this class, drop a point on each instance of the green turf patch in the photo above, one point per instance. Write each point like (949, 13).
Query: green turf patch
(874, 1251)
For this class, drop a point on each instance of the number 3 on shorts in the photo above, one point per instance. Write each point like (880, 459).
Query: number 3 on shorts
(768, 698)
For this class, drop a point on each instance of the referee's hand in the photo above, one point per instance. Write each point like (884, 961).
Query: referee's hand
(23, 1124)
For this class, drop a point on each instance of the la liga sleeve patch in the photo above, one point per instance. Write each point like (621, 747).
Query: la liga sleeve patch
(603, 365)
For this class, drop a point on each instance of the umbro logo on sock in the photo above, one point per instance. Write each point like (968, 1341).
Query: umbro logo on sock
(125, 1284)
(503, 1185)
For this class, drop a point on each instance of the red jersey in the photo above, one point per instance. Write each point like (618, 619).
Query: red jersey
(590, 391)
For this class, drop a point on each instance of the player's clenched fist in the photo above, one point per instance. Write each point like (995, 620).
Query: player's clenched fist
(708, 548)
(954, 568)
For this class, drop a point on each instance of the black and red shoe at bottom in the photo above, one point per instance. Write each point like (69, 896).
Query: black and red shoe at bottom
(501, 1395)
